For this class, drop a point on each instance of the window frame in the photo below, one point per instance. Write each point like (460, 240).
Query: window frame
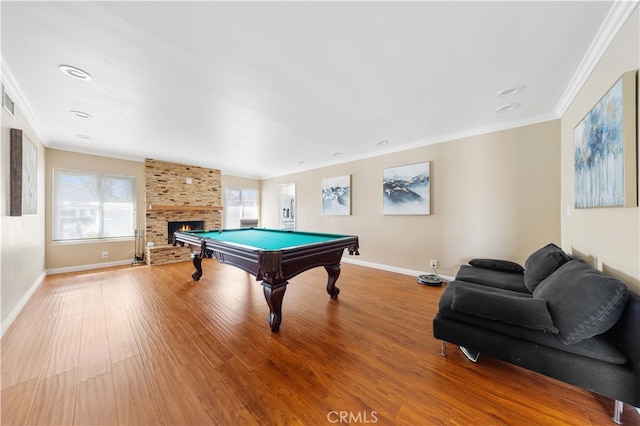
(227, 205)
(55, 211)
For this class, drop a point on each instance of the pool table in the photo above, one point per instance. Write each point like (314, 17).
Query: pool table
(271, 255)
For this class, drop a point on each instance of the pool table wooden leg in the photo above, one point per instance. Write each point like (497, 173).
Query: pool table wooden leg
(274, 294)
(197, 262)
(197, 253)
(334, 273)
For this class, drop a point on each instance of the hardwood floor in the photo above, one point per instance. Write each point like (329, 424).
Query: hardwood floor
(147, 345)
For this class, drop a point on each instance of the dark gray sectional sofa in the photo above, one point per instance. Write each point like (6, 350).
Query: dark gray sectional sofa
(556, 316)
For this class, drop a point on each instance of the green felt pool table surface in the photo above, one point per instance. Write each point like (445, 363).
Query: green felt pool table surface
(268, 239)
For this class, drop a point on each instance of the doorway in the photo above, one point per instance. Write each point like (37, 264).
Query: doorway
(287, 206)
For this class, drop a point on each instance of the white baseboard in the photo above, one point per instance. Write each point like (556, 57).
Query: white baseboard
(390, 268)
(18, 308)
(77, 268)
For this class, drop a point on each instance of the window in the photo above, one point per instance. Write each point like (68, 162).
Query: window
(239, 204)
(92, 206)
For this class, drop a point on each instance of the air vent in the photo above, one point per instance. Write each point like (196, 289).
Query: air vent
(8, 103)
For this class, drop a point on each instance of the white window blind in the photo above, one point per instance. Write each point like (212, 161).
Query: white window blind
(90, 205)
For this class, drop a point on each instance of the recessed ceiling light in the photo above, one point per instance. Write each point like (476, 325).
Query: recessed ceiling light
(337, 154)
(380, 143)
(507, 108)
(75, 72)
(302, 162)
(81, 114)
(81, 136)
(510, 91)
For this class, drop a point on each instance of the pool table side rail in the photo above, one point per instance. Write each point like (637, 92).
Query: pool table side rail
(280, 231)
(195, 238)
(295, 261)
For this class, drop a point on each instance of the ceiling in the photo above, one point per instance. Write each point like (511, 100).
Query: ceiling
(262, 89)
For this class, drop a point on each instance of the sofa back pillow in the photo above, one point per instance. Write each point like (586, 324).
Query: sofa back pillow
(542, 263)
(497, 265)
(582, 301)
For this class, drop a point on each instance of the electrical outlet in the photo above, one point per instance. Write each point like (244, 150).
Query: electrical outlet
(433, 263)
(105, 254)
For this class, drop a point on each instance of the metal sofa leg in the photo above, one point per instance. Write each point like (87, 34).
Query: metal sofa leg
(618, 407)
(443, 348)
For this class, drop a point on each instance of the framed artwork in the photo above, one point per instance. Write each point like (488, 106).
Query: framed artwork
(336, 196)
(605, 149)
(24, 175)
(407, 190)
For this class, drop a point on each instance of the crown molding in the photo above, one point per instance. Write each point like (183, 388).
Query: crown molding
(11, 85)
(96, 152)
(477, 131)
(616, 18)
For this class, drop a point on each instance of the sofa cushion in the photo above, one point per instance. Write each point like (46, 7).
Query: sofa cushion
(542, 263)
(497, 265)
(597, 347)
(583, 302)
(492, 278)
(524, 311)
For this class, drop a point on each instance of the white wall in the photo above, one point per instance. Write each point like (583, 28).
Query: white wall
(69, 256)
(22, 238)
(493, 195)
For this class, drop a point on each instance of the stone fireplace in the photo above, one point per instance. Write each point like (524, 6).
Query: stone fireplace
(178, 193)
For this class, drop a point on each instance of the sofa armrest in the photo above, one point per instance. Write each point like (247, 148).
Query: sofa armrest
(527, 312)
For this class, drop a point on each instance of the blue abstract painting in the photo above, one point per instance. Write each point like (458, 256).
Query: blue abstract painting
(407, 189)
(599, 153)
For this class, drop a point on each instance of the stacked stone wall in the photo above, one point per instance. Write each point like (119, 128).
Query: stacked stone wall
(178, 192)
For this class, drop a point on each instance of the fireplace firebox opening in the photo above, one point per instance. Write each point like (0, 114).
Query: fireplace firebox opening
(183, 225)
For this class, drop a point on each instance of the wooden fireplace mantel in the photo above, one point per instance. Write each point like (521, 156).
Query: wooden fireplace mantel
(163, 207)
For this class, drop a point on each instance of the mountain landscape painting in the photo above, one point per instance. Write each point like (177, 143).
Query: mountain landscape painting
(336, 196)
(407, 190)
